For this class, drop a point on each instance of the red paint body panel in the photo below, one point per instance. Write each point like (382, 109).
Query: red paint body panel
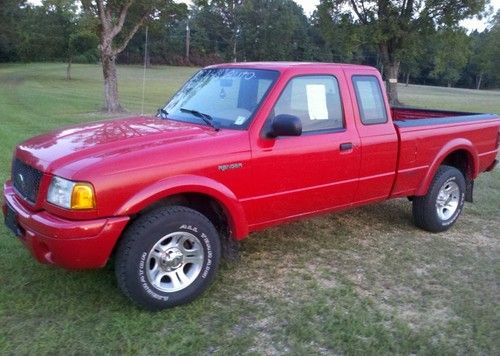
(135, 162)
(66, 243)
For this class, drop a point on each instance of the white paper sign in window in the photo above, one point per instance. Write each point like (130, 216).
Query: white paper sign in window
(316, 101)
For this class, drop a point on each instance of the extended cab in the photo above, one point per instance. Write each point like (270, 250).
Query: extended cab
(239, 148)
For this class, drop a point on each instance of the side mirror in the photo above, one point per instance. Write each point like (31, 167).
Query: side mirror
(285, 125)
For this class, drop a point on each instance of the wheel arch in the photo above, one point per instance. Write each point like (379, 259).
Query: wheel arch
(458, 153)
(200, 193)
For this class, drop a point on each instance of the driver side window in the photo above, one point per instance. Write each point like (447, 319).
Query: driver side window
(315, 100)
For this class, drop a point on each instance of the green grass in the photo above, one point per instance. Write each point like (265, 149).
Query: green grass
(484, 101)
(360, 282)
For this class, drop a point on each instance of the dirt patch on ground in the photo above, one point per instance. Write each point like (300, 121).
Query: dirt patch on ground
(13, 80)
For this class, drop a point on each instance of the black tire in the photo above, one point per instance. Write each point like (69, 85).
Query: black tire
(425, 208)
(137, 257)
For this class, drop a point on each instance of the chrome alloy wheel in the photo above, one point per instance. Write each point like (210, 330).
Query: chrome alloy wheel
(447, 200)
(175, 261)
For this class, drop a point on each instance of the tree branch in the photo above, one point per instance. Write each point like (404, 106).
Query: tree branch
(364, 10)
(121, 19)
(409, 9)
(131, 34)
(358, 13)
(102, 15)
(403, 7)
(88, 6)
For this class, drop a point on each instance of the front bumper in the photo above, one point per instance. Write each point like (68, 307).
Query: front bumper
(72, 244)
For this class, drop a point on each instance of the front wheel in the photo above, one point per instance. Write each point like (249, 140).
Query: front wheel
(440, 208)
(167, 257)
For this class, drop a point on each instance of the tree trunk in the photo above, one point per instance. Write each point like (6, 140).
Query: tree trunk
(188, 42)
(110, 26)
(234, 49)
(111, 102)
(479, 80)
(391, 73)
(407, 79)
(68, 68)
(391, 76)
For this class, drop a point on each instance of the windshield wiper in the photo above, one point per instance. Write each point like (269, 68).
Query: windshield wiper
(205, 117)
(162, 113)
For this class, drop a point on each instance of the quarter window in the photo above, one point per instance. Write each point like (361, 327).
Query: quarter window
(370, 100)
(315, 100)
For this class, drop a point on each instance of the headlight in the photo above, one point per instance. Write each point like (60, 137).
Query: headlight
(71, 195)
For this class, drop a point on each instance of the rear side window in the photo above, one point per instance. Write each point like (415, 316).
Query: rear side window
(370, 99)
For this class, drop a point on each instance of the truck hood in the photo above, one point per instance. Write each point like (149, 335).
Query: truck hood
(92, 140)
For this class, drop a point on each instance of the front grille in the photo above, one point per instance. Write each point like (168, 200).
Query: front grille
(26, 180)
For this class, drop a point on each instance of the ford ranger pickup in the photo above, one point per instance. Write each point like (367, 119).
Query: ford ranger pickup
(241, 147)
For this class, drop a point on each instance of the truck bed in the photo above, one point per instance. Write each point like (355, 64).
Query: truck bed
(427, 136)
(408, 117)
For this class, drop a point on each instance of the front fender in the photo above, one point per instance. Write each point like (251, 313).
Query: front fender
(190, 184)
(450, 147)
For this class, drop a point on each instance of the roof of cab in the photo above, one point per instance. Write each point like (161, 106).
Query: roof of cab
(281, 66)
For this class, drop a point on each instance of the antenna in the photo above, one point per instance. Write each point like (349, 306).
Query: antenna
(144, 71)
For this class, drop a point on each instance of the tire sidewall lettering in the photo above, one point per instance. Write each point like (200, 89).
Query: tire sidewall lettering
(207, 266)
(209, 255)
(144, 282)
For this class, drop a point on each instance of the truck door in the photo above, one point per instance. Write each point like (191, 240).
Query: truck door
(316, 171)
(379, 140)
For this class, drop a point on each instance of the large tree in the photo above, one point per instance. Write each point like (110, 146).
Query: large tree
(273, 30)
(343, 37)
(450, 62)
(11, 12)
(394, 23)
(483, 63)
(43, 30)
(226, 25)
(119, 20)
(82, 42)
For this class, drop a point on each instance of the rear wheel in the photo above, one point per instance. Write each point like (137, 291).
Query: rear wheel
(167, 257)
(440, 208)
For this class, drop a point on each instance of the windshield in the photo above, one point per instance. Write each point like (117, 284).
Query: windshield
(228, 97)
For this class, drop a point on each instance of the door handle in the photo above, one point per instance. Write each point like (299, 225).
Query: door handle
(346, 146)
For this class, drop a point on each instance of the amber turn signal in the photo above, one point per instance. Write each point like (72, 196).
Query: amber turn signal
(82, 196)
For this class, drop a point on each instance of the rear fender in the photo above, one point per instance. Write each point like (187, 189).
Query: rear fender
(190, 184)
(446, 150)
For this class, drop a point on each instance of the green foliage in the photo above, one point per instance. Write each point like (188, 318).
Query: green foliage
(273, 30)
(250, 30)
(83, 46)
(485, 55)
(395, 27)
(54, 30)
(166, 35)
(343, 38)
(452, 52)
(10, 28)
(46, 29)
(119, 20)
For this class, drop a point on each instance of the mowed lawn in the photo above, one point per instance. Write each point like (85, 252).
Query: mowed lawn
(361, 282)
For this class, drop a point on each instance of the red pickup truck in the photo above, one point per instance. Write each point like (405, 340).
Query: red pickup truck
(239, 148)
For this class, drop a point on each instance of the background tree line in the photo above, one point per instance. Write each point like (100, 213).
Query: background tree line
(415, 41)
